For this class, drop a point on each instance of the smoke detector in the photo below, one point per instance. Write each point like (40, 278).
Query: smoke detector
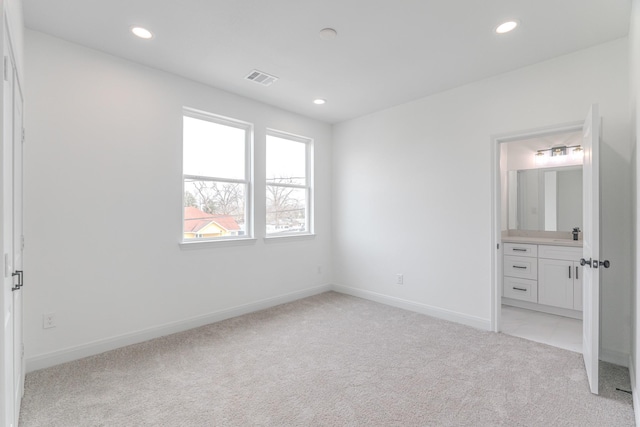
(328, 34)
(261, 78)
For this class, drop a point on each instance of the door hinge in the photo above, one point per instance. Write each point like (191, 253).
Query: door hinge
(6, 68)
(23, 135)
(20, 278)
(498, 246)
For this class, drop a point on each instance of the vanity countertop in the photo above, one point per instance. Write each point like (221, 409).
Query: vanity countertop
(542, 241)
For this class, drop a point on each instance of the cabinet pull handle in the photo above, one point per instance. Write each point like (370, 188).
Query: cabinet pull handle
(576, 272)
(519, 289)
(569, 272)
(519, 250)
(520, 267)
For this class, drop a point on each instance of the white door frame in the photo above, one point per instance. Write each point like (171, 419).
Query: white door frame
(496, 206)
(11, 371)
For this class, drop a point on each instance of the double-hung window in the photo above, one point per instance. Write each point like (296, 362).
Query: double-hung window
(216, 177)
(288, 184)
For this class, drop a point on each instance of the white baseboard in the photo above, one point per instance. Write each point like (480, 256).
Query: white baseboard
(615, 357)
(634, 391)
(574, 314)
(100, 346)
(610, 356)
(439, 313)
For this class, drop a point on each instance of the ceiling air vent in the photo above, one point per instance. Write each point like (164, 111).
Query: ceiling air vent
(262, 78)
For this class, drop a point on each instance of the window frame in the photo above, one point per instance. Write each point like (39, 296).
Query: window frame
(308, 186)
(247, 181)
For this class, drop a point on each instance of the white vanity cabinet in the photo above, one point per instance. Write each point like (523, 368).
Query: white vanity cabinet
(543, 277)
(520, 268)
(559, 277)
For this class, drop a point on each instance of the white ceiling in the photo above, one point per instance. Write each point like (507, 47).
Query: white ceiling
(386, 53)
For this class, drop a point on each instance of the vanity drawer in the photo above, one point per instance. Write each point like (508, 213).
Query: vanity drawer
(522, 289)
(522, 267)
(566, 253)
(521, 249)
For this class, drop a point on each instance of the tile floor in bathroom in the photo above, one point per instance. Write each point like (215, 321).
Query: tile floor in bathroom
(557, 331)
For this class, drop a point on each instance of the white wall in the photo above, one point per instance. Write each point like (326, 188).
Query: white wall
(103, 185)
(412, 187)
(634, 72)
(519, 157)
(15, 21)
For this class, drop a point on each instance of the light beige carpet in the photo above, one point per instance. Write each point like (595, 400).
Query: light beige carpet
(328, 360)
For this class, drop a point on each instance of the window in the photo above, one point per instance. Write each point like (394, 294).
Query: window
(289, 179)
(216, 176)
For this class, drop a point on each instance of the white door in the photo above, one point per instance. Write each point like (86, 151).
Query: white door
(7, 354)
(591, 246)
(11, 355)
(18, 359)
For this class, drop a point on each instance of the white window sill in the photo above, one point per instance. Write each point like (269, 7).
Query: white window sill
(289, 237)
(199, 244)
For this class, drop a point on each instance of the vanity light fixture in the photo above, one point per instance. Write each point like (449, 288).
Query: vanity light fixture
(544, 155)
(578, 152)
(540, 158)
(559, 151)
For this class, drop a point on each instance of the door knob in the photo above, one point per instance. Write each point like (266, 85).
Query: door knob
(595, 263)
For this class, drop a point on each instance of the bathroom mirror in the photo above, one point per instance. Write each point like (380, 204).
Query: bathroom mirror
(547, 199)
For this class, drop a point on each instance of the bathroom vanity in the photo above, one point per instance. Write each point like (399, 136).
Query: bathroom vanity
(543, 274)
(541, 261)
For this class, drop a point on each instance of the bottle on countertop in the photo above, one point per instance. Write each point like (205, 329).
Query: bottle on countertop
(576, 230)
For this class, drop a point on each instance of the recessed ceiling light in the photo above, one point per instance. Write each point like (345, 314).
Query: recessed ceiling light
(506, 27)
(143, 33)
(328, 34)
(319, 101)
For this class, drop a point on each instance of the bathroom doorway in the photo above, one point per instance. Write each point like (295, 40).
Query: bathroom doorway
(553, 271)
(540, 197)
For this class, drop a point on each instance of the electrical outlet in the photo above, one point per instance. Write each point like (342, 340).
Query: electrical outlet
(399, 279)
(48, 320)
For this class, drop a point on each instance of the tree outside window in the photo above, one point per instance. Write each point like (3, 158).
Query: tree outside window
(288, 190)
(216, 153)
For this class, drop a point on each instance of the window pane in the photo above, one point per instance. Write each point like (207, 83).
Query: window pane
(286, 161)
(213, 150)
(286, 209)
(213, 209)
